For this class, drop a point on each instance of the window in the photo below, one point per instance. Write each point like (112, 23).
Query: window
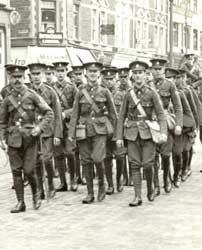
(76, 21)
(94, 26)
(102, 20)
(153, 4)
(48, 16)
(175, 34)
(195, 39)
(195, 7)
(187, 36)
(153, 33)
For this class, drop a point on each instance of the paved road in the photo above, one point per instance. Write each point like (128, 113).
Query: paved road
(173, 221)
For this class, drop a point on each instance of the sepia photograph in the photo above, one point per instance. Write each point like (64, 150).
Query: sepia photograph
(100, 124)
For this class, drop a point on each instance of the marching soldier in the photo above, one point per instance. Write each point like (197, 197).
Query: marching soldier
(93, 119)
(49, 73)
(109, 82)
(18, 119)
(188, 123)
(169, 96)
(123, 76)
(78, 72)
(53, 135)
(138, 106)
(66, 92)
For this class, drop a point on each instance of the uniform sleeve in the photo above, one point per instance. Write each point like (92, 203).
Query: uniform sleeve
(111, 108)
(158, 106)
(176, 105)
(192, 104)
(187, 113)
(44, 108)
(75, 116)
(198, 106)
(68, 112)
(58, 125)
(122, 116)
(3, 118)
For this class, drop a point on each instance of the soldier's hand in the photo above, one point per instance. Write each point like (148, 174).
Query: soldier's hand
(35, 131)
(56, 141)
(164, 138)
(178, 130)
(119, 143)
(70, 138)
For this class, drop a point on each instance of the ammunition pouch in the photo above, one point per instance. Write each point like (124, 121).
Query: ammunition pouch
(155, 131)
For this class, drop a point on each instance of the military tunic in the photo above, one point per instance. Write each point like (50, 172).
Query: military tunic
(93, 147)
(22, 147)
(132, 127)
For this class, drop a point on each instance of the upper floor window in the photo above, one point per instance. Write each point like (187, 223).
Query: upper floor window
(153, 4)
(195, 39)
(76, 21)
(48, 16)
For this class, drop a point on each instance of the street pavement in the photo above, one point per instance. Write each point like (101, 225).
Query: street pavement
(173, 221)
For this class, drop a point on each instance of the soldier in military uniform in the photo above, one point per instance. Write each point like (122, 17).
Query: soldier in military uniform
(188, 123)
(66, 92)
(53, 135)
(49, 73)
(123, 77)
(169, 96)
(190, 133)
(78, 72)
(139, 104)
(109, 82)
(17, 117)
(93, 119)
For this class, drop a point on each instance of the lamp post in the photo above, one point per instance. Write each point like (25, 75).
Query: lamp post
(171, 34)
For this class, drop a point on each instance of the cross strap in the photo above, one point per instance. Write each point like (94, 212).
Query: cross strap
(137, 103)
(90, 100)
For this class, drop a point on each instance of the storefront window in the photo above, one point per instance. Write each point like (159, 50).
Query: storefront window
(175, 34)
(48, 16)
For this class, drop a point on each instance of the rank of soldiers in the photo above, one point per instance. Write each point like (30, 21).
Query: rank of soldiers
(93, 116)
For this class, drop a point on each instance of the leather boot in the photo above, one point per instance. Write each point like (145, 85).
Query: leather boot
(189, 162)
(157, 190)
(50, 175)
(101, 184)
(130, 180)
(88, 170)
(60, 165)
(177, 165)
(35, 192)
(149, 174)
(39, 173)
(72, 172)
(119, 173)
(125, 173)
(166, 173)
(108, 172)
(185, 162)
(137, 180)
(19, 189)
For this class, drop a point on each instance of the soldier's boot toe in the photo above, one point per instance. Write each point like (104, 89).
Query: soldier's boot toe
(110, 190)
(20, 207)
(88, 199)
(42, 195)
(189, 172)
(151, 196)
(74, 185)
(62, 188)
(157, 191)
(36, 201)
(176, 182)
(136, 202)
(52, 193)
(184, 176)
(101, 193)
(119, 187)
(168, 187)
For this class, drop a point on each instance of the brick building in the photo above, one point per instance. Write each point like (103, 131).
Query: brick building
(5, 12)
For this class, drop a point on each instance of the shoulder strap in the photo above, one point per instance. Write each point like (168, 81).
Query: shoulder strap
(137, 102)
(18, 106)
(90, 100)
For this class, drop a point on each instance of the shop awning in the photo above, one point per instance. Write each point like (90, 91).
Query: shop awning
(75, 56)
